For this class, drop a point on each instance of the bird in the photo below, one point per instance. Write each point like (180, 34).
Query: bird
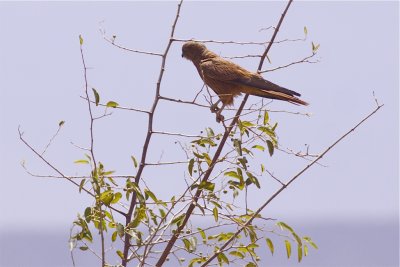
(229, 80)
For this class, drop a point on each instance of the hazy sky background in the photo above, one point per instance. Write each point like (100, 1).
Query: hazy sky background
(350, 207)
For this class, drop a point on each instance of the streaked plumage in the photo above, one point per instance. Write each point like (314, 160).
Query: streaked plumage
(229, 80)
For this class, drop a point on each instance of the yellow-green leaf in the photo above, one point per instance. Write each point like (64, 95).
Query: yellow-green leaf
(308, 239)
(299, 253)
(150, 194)
(266, 118)
(134, 161)
(190, 167)
(114, 236)
(270, 245)
(222, 258)
(284, 226)
(116, 198)
(270, 147)
(96, 96)
(106, 197)
(120, 254)
(288, 248)
(259, 147)
(237, 254)
(80, 40)
(81, 161)
(112, 104)
(81, 184)
(215, 213)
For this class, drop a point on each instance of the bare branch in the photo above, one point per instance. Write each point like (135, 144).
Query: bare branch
(284, 186)
(112, 42)
(304, 60)
(148, 136)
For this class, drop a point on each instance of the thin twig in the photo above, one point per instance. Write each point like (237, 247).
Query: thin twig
(148, 136)
(287, 184)
(53, 137)
(215, 159)
(304, 60)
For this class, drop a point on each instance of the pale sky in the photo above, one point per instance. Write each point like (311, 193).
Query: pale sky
(41, 81)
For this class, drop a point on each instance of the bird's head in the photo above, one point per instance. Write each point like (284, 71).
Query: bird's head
(193, 50)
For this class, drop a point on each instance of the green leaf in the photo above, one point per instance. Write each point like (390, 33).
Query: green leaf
(106, 197)
(262, 167)
(117, 197)
(298, 239)
(112, 104)
(233, 174)
(96, 96)
(259, 147)
(251, 264)
(61, 123)
(222, 258)
(190, 167)
(207, 158)
(114, 236)
(134, 161)
(247, 124)
(305, 31)
(284, 226)
(210, 132)
(215, 213)
(314, 47)
(196, 260)
(299, 253)
(207, 185)
(305, 250)
(288, 248)
(202, 233)
(81, 161)
(120, 229)
(178, 220)
(237, 254)
(80, 40)
(253, 179)
(83, 248)
(308, 239)
(238, 145)
(81, 184)
(270, 245)
(186, 242)
(270, 147)
(268, 131)
(120, 254)
(198, 155)
(150, 194)
(266, 118)
(162, 213)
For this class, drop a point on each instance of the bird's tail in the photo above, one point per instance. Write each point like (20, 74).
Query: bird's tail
(275, 95)
(256, 85)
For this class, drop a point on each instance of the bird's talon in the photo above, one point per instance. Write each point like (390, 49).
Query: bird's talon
(220, 118)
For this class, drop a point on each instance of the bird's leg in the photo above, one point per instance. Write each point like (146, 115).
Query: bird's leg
(214, 107)
(219, 116)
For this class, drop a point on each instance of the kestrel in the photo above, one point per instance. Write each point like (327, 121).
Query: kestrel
(229, 80)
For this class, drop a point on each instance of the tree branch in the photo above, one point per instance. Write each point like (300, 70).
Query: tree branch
(215, 159)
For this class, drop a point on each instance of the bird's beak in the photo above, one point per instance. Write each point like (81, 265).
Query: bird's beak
(182, 54)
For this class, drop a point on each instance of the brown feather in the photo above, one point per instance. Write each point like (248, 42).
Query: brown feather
(229, 80)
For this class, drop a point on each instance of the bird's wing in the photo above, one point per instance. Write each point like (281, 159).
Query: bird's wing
(223, 70)
(257, 81)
